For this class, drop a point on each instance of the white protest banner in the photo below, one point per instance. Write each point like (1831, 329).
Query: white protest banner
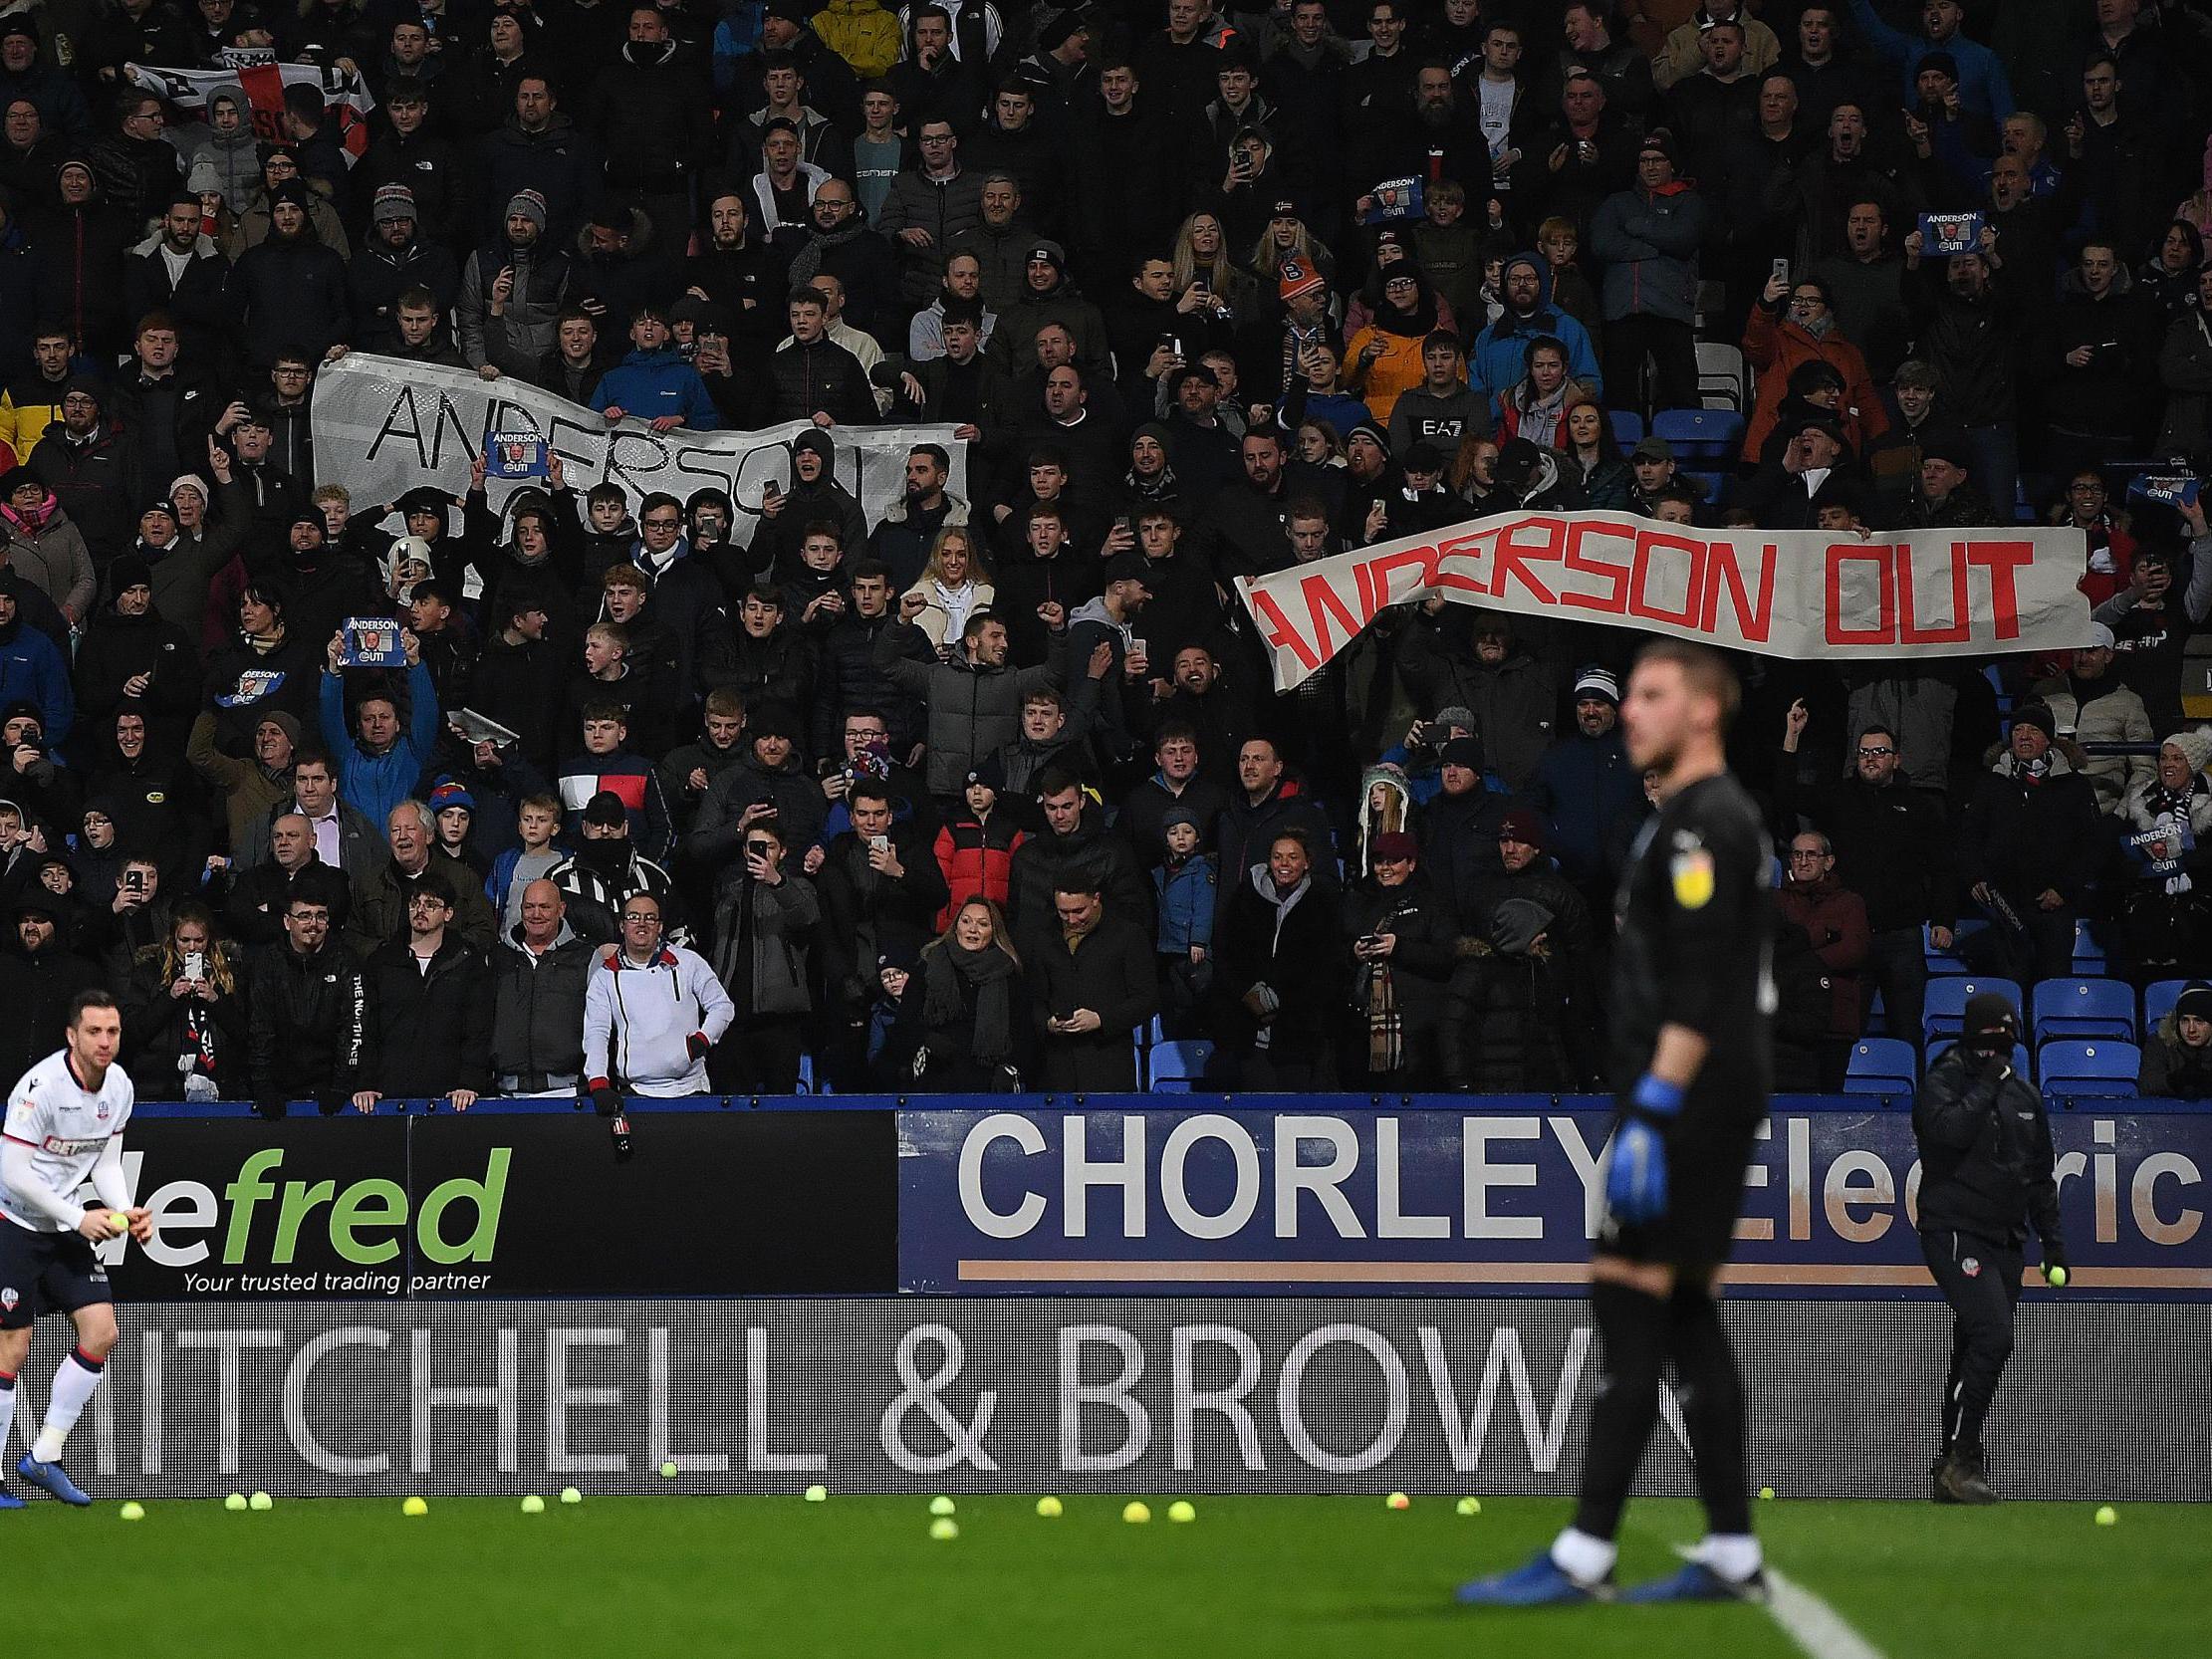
(384, 427)
(256, 72)
(1802, 594)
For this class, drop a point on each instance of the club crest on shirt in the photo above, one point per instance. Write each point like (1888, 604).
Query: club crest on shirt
(8, 1299)
(1691, 869)
(1971, 1267)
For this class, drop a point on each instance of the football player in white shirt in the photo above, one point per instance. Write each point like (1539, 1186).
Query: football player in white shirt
(63, 1126)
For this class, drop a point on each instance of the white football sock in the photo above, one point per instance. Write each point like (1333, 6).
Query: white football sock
(1584, 1558)
(1734, 1555)
(73, 1384)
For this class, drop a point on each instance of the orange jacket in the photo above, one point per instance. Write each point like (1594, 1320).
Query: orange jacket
(1775, 348)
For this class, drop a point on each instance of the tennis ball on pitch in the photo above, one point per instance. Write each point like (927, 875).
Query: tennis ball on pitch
(2107, 1516)
(2055, 1276)
(1767, 1492)
(533, 1504)
(260, 1500)
(235, 1502)
(668, 1470)
(134, 1510)
(1049, 1507)
(1398, 1501)
(1468, 1506)
(414, 1509)
(1182, 1510)
(1136, 1513)
(941, 1506)
(944, 1528)
(818, 1495)
(569, 1495)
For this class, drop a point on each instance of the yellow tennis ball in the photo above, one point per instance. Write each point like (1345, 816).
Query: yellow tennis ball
(2055, 1275)
(415, 1508)
(941, 1506)
(944, 1528)
(818, 1495)
(1469, 1505)
(569, 1495)
(1398, 1501)
(533, 1504)
(1182, 1510)
(2107, 1516)
(260, 1500)
(1049, 1507)
(668, 1470)
(1136, 1513)
(132, 1510)
(1767, 1492)
(235, 1502)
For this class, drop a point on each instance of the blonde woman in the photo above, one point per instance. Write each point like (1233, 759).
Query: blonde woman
(1286, 238)
(1202, 257)
(955, 584)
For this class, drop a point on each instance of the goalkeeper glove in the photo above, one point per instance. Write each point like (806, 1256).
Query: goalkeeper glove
(1635, 1184)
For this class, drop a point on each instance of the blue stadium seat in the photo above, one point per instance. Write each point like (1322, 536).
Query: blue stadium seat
(1877, 1018)
(1627, 427)
(2158, 1001)
(1946, 1012)
(1701, 435)
(2100, 1068)
(2085, 1007)
(1879, 1066)
(1178, 1066)
(1950, 961)
(2089, 955)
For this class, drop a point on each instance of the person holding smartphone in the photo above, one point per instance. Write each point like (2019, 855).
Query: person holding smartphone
(183, 1019)
(764, 921)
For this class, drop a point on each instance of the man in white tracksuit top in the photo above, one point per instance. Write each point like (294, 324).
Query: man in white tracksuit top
(651, 1010)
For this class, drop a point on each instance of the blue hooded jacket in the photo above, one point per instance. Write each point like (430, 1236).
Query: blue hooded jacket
(648, 384)
(1499, 356)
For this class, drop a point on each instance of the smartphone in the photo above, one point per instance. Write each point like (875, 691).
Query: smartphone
(1369, 940)
(1781, 270)
(135, 879)
(195, 965)
(878, 843)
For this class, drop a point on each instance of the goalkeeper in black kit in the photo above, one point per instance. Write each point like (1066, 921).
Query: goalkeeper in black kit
(1692, 997)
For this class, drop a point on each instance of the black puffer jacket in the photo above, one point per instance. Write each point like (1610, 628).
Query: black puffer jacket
(308, 1027)
(1985, 1153)
(820, 378)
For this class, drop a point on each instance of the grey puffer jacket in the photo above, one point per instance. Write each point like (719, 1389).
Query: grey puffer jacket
(770, 925)
(972, 710)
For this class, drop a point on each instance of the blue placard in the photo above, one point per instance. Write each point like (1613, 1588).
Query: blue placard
(1393, 199)
(1950, 233)
(515, 456)
(371, 642)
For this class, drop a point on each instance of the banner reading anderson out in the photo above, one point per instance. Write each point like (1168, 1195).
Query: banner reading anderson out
(384, 427)
(1781, 592)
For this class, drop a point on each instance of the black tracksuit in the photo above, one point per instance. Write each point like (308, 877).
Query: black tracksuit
(1986, 1174)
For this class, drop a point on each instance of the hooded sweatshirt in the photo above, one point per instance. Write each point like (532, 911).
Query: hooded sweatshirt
(1498, 357)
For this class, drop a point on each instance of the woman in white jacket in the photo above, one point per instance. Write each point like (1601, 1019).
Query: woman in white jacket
(651, 1010)
(954, 585)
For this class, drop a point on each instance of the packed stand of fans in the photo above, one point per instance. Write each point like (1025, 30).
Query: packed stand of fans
(702, 795)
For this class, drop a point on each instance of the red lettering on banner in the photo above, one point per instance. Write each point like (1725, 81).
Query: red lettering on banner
(1582, 562)
(1377, 572)
(1323, 603)
(2002, 558)
(1279, 635)
(1910, 632)
(1880, 555)
(1753, 615)
(1454, 549)
(1514, 556)
(1651, 542)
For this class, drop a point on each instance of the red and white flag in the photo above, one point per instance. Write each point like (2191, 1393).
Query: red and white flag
(345, 93)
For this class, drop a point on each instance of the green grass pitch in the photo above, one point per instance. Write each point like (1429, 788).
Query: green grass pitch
(860, 1576)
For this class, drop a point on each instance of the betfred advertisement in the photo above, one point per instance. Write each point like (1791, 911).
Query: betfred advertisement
(1499, 1202)
(710, 1204)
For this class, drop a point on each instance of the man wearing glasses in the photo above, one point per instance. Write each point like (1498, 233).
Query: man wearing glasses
(651, 1012)
(1892, 848)
(1777, 341)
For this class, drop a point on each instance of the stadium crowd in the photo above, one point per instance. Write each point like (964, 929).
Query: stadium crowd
(679, 796)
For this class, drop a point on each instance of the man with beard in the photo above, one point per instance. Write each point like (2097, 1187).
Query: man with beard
(1499, 356)
(737, 271)
(392, 260)
(91, 469)
(512, 293)
(605, 871)
(912, 522)
(180, 272)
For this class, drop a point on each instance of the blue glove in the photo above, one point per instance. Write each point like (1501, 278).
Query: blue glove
(1636, 1185)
